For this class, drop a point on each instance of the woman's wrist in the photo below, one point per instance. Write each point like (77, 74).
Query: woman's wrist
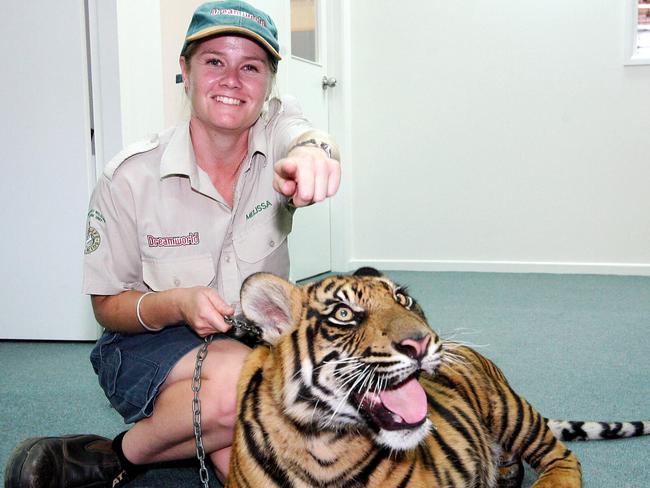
(317, 139)
(138, 313)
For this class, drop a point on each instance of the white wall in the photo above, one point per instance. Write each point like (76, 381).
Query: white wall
(46, 160)
(498, 136)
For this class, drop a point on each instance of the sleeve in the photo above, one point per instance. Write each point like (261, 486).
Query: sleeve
(289, 124)
(112, 260)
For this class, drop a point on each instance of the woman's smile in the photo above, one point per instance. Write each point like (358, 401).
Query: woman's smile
(228, 100)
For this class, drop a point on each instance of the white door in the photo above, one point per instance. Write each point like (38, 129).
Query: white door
(47, 171)
(309, 242)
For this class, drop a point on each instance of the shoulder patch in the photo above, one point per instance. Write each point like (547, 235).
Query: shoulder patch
(93, 240)
(129, 151)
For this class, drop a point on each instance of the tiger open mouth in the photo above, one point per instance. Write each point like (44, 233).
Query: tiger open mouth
(402, 406)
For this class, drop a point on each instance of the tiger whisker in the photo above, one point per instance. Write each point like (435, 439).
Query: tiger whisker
(349, 367)
(370, 376)
(348, 373)
(452, 355)
(352, 365)
(380, 385)
(342, 360)
(456, 363)
(453, 358)
(450, 351)
(353, 377)
(361, 376)
(345, 373)
(459, 331)
(351, 359)
(455, 344)
(313, 412)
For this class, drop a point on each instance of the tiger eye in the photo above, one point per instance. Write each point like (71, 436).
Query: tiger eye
(403, 300)
(344, 314)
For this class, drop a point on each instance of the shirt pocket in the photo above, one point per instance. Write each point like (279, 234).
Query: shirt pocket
(263, 246)
(185, 272)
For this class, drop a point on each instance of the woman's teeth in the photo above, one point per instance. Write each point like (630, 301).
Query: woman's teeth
(227, 100)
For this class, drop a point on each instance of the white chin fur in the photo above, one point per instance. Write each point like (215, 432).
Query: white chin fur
(403, 440)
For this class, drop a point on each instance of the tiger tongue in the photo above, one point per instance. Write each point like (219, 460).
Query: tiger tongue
(408, 401)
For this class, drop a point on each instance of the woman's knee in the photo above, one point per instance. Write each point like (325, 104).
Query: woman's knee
(221, 374)
(218, 406)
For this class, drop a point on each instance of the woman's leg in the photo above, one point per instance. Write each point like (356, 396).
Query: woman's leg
(169, 433)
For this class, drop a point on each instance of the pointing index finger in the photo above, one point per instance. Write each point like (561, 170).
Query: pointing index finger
(286, 169)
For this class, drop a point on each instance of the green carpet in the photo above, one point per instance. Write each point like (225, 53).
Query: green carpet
(576, 346)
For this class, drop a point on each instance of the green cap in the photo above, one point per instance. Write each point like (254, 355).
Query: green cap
(233, 17)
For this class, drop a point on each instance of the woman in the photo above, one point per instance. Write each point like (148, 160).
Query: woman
(175, 225)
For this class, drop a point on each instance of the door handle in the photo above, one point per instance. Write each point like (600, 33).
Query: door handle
(328, 82)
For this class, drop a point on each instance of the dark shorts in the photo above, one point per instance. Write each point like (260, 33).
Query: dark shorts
(132, 368)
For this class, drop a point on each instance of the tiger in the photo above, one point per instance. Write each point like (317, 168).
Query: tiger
(353, 388)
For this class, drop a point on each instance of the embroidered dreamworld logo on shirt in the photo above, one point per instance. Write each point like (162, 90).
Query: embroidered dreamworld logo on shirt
(238, 13)
(192, 239)
(258, 208)
(96, 214)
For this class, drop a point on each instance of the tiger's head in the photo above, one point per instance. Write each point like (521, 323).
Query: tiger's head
(351, 349)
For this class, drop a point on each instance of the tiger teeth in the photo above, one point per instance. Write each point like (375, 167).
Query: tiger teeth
(397, 418)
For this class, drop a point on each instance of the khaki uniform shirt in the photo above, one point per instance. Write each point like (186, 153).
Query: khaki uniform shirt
(156, 221)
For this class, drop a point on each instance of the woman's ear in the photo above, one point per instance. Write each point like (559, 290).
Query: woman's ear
(272, 303)
(185, 72)
(269, 89)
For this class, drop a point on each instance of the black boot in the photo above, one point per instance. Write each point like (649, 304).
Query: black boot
(73, 461)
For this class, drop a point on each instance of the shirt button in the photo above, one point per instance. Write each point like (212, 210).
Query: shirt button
(227, 259)
(177, 282)
(272, 243)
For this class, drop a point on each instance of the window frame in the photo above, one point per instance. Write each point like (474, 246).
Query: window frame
(632, 55)
(318, 53)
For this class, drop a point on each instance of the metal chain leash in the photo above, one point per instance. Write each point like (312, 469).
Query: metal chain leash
(196, 410)
(240, 328)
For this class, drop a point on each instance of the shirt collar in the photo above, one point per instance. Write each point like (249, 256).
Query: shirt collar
(178, 158)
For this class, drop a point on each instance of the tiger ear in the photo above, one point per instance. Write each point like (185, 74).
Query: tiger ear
(368, 271)
(272, 303)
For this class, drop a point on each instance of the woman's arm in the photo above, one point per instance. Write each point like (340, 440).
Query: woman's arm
(311, 171)
(200, 307)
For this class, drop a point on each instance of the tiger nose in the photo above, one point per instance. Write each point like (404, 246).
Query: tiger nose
(415, 348)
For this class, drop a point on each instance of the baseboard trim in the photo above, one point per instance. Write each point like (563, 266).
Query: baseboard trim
(625, 269)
